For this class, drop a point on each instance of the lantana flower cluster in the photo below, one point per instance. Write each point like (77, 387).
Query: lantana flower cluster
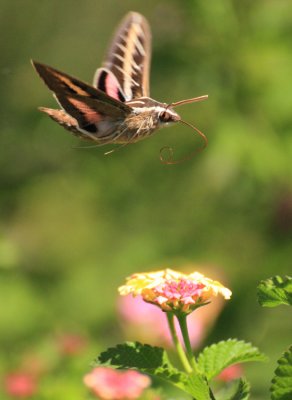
(174, 291)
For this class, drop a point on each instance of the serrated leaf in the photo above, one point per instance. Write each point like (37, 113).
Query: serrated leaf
(281, 388)
(242, 391)
(153, 361)
(219, 356)
(237, 389)
(135, 355)
(275, 291)
(197, 386)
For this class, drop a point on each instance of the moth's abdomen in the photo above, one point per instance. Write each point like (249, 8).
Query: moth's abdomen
(62, 118)
(102, 132)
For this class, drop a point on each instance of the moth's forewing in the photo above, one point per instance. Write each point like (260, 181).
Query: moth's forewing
(61, 83)
(129, 55)
(89, 106)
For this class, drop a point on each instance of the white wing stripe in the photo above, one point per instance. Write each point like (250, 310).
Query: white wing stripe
(122, 47)
(131, 102)
(158, 109)
(127, 75)
(139, 46)
(119, 57)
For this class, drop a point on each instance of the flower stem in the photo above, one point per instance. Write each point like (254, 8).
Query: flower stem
(182, 319)
(180, 351)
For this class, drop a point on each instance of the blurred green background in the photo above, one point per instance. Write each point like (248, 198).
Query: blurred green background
(74, 222)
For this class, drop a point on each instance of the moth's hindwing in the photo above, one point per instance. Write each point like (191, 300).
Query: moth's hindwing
(129, 57)
(106, 81)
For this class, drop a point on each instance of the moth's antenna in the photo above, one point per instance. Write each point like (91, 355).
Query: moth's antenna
(170, 161)
(193, 100)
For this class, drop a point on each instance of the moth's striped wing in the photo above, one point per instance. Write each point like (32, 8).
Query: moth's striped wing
(93, 110)
(125, 71)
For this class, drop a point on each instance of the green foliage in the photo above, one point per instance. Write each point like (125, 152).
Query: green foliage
(271, 293)
(153, 361)
(275, 291)
(196, 386)
(214, 359)
(281, 388)
(242, 391)
(137, 355)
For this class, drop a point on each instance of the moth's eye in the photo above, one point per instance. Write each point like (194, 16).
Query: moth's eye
(163, 116)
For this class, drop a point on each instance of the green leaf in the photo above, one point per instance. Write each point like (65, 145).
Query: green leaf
(219, 356)
(275, 291)
(196, 386)
(281, 388)
(153, 361)
(238, 389)
(135, 355)
(242, 390)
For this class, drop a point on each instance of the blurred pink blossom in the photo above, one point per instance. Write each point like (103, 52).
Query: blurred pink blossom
(70, 344)
(20, 384)
(145, 322)
(110, 384)
(234, 371)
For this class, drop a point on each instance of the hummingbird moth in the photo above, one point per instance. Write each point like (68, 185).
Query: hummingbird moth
(117, 108)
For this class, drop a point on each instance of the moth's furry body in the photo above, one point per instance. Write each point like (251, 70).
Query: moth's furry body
(139, 124)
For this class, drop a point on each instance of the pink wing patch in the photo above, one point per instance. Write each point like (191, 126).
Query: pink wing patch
(91, 116)
(106, 81)
(111, 86)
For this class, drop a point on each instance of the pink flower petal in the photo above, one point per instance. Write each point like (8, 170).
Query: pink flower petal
(108, 384)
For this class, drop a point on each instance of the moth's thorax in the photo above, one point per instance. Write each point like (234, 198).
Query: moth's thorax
(137, 126)
(161, 113)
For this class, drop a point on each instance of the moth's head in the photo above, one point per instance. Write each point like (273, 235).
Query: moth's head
(168, 115)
